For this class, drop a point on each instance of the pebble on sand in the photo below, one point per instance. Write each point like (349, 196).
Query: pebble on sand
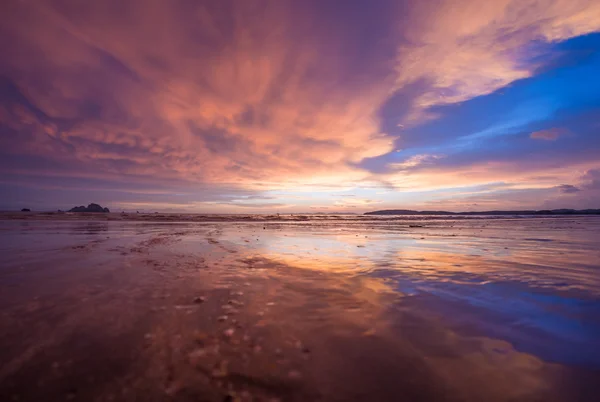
(229, 309)
(199, 299)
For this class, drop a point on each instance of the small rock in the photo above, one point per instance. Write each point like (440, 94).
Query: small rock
(229, 309)
(229, 332)
(199, 299)
(222, 318)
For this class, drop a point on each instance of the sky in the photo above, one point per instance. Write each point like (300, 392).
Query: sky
(244, 106)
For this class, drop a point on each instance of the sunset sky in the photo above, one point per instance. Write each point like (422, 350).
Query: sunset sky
(243, 106)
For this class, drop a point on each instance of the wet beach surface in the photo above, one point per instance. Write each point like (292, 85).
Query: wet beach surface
(325, 309)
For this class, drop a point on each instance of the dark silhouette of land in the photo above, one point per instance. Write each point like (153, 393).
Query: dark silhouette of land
(523, 212)
(90, 208)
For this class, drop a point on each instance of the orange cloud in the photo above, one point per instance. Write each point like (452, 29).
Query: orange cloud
(465, 48)
(515, 176)
(204, 94)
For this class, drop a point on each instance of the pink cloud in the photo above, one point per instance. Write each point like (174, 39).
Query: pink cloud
(218, 95)
(547, 135)
(465, 48)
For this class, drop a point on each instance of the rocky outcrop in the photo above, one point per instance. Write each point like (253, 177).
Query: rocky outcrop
(90, 208)
(26, 210)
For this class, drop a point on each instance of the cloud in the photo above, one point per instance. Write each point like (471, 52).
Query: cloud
(243, 94)
(501, 200)
(513, 198)
(258, 197)
(466, 49)
(257, 205)
(547, 135)
(415, 161)
(225, 101)
(568, 189)
(591, 179)
(355, 202)
(535, 173)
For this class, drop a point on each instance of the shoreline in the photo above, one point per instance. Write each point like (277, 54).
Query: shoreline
(179, 217)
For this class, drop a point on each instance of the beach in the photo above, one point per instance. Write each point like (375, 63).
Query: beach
(168, 307)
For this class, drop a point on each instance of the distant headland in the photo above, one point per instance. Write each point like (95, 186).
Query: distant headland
(90, 208)
(523, 212)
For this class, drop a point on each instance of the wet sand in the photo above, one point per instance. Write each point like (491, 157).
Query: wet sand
(326, 309)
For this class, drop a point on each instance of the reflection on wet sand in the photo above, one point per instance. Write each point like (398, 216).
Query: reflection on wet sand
(154, 311)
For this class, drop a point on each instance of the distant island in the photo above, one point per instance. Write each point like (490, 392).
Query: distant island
(524, 212)
(90, 208)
